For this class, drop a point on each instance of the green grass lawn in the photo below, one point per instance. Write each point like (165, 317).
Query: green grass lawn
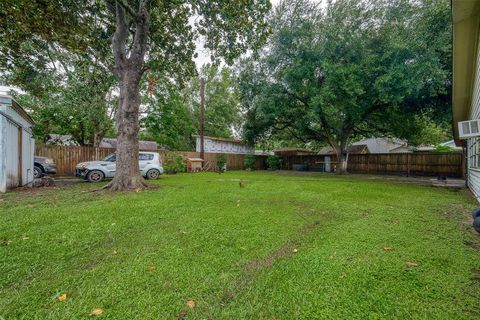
(286, 246)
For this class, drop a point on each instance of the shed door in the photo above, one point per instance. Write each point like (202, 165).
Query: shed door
(11, 162)
(20, 157)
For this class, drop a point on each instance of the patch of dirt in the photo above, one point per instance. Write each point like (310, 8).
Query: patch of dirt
(182, 315)
(460, 214)
(309, 227)
(474, 245)
(284, 250)
(287, 249)
(472, 290)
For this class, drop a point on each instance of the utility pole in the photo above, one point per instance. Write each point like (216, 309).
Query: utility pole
(202, 118)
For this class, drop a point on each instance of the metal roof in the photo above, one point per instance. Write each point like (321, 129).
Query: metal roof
(6, 99)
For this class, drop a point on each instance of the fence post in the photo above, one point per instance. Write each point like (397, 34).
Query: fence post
(368, 163)
(408, 164)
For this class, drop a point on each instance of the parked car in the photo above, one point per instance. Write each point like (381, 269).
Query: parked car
(149, 163)
(43, 166)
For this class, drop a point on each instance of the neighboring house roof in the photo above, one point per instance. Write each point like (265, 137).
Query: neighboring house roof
(263, 153)
(384, 145)
(292, 152)
(451, 144)
(232, 140)
(60, 139)
(142, 144)
(326, 150)
(358, 149)
(373, 145)
(351, 149)
(465, 16)
(424, 148)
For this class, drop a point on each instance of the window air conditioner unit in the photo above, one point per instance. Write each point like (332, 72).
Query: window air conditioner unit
(468, 129)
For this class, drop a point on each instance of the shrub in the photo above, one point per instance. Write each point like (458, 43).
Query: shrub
(439, 148)
(174, 163)
(274, 162)
(221, 163)
(249, 161)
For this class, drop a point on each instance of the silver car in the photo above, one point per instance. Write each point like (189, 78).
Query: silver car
(149, 163)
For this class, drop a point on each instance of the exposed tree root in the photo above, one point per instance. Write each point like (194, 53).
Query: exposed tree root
(136, 183)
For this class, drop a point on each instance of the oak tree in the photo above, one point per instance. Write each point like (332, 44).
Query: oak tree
(353, 68)
(149, 39)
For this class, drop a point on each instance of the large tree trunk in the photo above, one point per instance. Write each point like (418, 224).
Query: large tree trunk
(342, 161)
(127, 176)
(129, 68)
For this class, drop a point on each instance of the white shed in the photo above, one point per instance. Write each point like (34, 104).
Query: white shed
(16, 145)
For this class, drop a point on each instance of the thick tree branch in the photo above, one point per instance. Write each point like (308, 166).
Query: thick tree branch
(129, 9)
(119, 40)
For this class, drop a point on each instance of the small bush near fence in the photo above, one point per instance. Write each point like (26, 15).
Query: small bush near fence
(274, 162)
(249, 161)
(174, 163)
(221, 163)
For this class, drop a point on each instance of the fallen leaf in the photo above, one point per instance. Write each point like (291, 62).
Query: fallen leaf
(62, 297)
(151, 268)
(191, 304)
(96, 312)
(114, 252)
(411, 264)
(388, 248)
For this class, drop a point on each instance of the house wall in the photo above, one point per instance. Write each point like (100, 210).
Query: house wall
(219, 146)
(11, 124)
(473, 144)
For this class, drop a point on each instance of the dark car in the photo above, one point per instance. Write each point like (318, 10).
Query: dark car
(43, 166)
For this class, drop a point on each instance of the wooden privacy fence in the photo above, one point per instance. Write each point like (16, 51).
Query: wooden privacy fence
(67, 158)
(420, 164)
(415, 164)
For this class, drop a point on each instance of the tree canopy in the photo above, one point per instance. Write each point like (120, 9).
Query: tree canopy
(354, 68)
(172, 113)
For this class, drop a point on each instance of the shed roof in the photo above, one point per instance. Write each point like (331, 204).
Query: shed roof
(18, 108)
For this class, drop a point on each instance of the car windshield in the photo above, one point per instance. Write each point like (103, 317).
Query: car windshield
(111, 158)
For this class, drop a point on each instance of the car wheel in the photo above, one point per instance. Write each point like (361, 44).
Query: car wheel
(37, 172)
(153, 174)
(95, 176)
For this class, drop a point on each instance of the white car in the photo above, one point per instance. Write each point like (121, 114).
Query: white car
(149, 163)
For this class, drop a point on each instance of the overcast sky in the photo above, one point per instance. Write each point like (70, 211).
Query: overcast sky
(203, 55)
